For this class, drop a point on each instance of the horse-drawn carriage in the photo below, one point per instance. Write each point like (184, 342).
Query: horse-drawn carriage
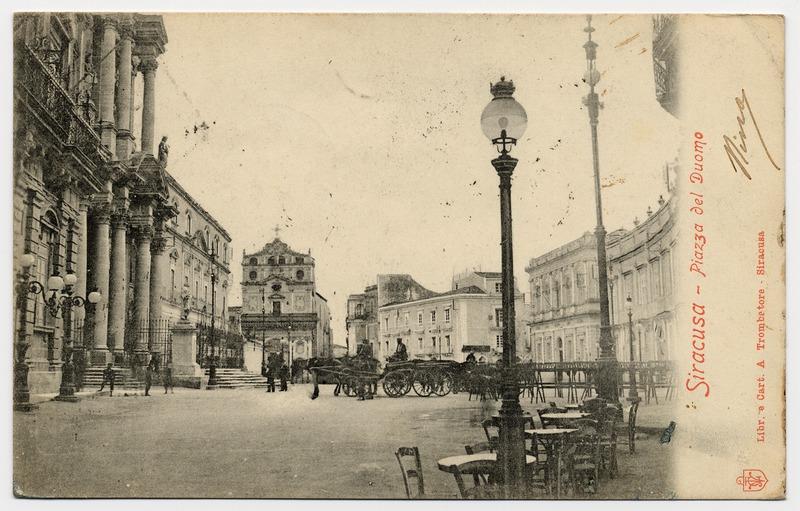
(357, 376)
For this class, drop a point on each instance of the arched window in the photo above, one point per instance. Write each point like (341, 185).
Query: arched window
(253, 261)
(281, 260)
(253, 275)
(188, 223)
(271, 260)
(300, 274)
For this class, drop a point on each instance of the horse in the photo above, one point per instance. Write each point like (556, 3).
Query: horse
(338, 367)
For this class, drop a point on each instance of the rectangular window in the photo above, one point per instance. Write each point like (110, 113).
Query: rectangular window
(276, 307)
(498, 287)
(419, 344)
(419, 317)
(172, 284)
(405, 318)
(498, 341)
(644, 296)
(386, 323)
(498, 317)
(433, 316)
(655, 277)
(447, 315)
(433, 342)
(447, 344)
(666, 271)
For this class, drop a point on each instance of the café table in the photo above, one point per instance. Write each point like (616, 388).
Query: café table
(552, 439)
(466, 463)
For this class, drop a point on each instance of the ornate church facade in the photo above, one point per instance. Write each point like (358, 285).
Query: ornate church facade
(281, 305)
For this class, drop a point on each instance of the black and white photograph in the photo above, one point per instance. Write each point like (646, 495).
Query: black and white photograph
(397, 256)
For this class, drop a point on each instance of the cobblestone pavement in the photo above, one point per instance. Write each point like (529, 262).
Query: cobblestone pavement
(250, 444)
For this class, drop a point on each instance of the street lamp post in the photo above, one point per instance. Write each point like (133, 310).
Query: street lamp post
(633, 395)
(503, 121)
(58, 298)
(607, 362)
(212, 369)
(22, 393)
(263, 333)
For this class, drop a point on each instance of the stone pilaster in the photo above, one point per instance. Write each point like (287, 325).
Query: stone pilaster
(108, 71)
(81, 269)
(124, 90)
(148, 67)
(118, 285)
(101, 267)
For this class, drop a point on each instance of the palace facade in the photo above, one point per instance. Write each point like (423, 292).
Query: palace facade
(362, 308)
(450, 325)
(92, 198)
(281, 305)
(565, 320)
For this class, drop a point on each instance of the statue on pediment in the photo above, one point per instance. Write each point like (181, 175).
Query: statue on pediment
(163, 152)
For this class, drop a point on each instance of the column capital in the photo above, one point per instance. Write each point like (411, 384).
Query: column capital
(142, 232)
(125, 27)
(148, 64)
(109, 21)
(119, 219)
(101, 212)
(158, 245)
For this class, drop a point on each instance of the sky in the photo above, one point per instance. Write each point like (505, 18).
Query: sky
(359, 135)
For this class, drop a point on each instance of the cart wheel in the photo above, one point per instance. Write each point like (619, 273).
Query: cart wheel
(395, 384)
(444, 385)
(424, 383)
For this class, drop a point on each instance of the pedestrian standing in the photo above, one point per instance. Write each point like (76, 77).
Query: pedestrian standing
(168, 377)
(108, 377)
(148, 376)
(271, 373)
(284, 377)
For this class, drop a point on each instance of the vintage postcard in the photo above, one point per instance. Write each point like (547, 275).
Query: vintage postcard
(398, 256)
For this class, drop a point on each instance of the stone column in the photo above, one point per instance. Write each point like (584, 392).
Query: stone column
(118, 283)
(141, 291)
(124, 91)
(157, 269)
(148, 68)
(108, 71)
(102, 263)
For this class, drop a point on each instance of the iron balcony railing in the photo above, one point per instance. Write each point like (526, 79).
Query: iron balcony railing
(57, 108)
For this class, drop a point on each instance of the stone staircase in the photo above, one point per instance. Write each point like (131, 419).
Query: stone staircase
(124, 381)
(238, 379)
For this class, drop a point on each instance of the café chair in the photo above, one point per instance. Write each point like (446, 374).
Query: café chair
(411, 473)
(492, 432)
(474, 449)
(584, 457)
(626, 433)
(481, 470)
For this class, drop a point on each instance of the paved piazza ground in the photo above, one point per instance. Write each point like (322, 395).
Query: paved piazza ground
(250, 444)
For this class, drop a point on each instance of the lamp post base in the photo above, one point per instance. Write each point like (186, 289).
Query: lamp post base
(212, 378)
(607, 374)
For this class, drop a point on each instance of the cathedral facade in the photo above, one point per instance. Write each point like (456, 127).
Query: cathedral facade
(281, 306)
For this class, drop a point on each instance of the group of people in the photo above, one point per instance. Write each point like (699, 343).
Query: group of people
(152, 371)
(274, 367)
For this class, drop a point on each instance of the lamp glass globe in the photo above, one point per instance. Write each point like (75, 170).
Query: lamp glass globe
(504, 113)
